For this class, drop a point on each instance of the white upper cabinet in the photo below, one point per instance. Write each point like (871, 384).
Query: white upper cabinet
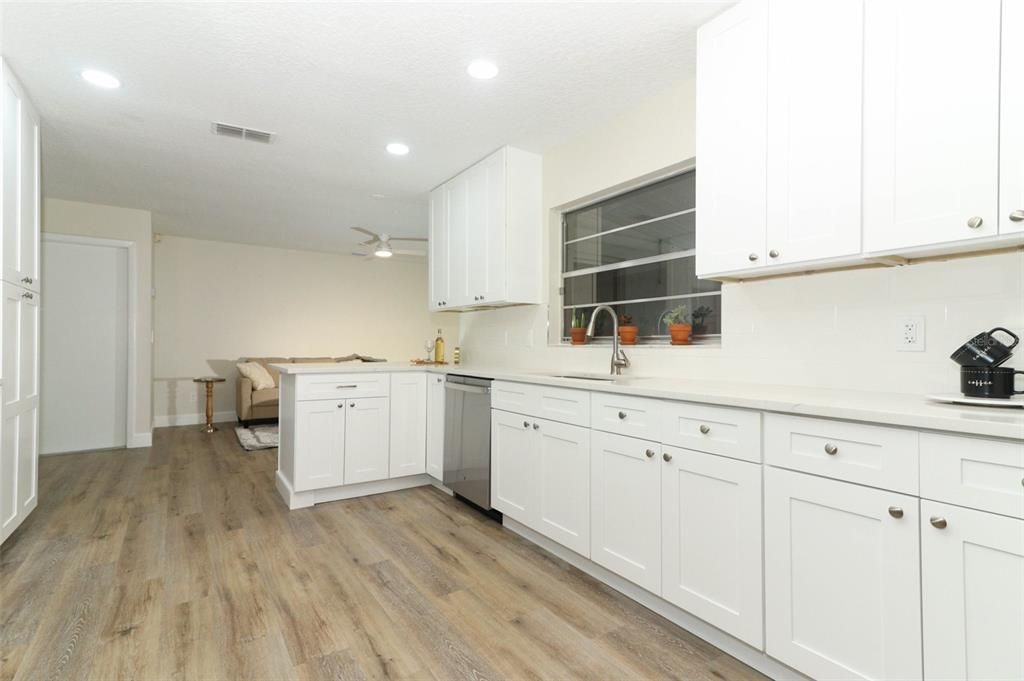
(931, 122)
(731, 139)
(1011, 119)
(815, 80)
(485, 234)
(21, 192)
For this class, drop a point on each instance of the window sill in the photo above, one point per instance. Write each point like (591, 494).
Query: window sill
(709, 344)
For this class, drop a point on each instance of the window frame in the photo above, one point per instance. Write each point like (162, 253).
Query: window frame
(557, 319)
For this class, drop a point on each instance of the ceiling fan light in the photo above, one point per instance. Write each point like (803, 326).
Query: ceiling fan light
(383, 250)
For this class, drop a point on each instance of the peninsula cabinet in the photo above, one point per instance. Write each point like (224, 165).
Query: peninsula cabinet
(973, 594)
(320, 436)
(841, 581)
(366, 439)
(485, 234)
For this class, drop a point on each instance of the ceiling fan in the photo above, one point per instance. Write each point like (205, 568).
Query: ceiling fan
(380, 244)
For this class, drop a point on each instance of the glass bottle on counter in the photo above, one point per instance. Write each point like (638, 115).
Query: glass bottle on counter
(439, 348)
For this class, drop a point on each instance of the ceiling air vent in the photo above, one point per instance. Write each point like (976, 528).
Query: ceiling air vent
(242, 133)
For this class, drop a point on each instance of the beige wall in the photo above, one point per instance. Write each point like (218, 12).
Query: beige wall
(834, 330)
(216, 302)
(122, 224)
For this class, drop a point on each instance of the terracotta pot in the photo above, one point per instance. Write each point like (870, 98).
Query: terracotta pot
(680, 333)
(627, 334)
(578, 335)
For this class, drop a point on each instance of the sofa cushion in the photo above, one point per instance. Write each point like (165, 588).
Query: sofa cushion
(257, 373)
(265, 398)
(267, 361)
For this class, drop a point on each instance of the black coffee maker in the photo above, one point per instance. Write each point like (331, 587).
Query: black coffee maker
(980, 372)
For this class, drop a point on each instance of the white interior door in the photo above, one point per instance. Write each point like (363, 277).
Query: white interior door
(84, 347)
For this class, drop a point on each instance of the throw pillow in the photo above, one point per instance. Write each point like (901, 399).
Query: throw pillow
(254, 371)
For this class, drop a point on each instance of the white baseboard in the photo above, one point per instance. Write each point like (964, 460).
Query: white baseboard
(165, 420)
(295, 500)
(140, 440)
(733, 646)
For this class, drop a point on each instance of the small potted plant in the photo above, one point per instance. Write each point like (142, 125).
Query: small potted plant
(699, 316)
(678, 324)
(578, 332)
(627, 330)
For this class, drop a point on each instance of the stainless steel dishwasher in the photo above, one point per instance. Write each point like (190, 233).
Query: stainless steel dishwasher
(467, 438)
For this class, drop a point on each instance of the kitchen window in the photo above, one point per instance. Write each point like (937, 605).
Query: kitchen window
(636, 253)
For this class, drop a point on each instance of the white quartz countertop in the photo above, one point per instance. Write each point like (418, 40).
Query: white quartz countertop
(912, 411)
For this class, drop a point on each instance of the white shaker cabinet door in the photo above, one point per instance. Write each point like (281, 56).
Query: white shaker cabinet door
(563, 502)
(319, 444)
(513, 467)
(1011, 118)
(931, 122)
(366, 439)
(731, 139)
(485, 264)
(435, 426)
(973, 594)
(711, 540)
(437, 250)
(842, 578)
(625, 516)
(457, 202)
(21, 190)
(408, 419)
(815, 82)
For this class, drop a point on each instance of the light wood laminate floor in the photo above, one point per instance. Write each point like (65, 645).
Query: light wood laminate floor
(181, 562)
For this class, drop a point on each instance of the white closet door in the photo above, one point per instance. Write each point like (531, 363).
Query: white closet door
(1011, 137)
(815, 82)
(731, 139)
(84, 347)
(931, 121)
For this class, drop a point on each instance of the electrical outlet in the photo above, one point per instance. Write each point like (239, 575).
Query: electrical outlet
(910, 333)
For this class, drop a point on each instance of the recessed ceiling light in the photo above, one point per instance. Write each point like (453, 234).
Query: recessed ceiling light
(377, 196)
(101, 79)
(397, 148)
(482, 69)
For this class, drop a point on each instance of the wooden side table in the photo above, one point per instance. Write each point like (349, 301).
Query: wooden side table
(209, 381)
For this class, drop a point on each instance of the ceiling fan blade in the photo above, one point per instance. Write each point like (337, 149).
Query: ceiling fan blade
(407, 238)
(369, 242)
(366, 231)
(416, 253)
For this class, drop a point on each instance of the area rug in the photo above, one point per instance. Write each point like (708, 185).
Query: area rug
(257, 437)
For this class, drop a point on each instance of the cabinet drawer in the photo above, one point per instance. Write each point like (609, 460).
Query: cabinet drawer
(870, 455)
(333, 386)
(564, 405)
(982, 474)
(626, 415)
(719, 430)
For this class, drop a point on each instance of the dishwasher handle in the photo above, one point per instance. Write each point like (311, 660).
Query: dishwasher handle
(475, 389)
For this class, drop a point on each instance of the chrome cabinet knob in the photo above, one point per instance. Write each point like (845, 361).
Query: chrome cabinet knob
(622, 415)
(536, 426)
(752, 257)
(773, 253)
(526, 424)
(975, 222)
(1017, 216)
(831, 449)
(666, 456)
(649, 453)
(938, 522)
(896, 511)
(351, 404)
(29, 280)
(27, 295)
(481, 297)
(705, 429)
(341, 405)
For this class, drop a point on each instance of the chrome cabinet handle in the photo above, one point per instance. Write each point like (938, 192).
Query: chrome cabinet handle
(831, 449)
(340, 387)
(649, 453)
(666, 456)
(752, 257)
(705, 429)
(773, 253)
(536, 426)
(1017, 216)
(896, 511)
(622, 415)
(27, 295)
(975, 222)
(29, 280)
(938, 522)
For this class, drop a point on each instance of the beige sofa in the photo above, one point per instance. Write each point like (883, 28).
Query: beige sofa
(254, 405)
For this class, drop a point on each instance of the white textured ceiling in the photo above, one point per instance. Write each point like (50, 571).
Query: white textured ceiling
(336, 82)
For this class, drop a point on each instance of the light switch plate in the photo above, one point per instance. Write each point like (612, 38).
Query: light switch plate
(909, 333)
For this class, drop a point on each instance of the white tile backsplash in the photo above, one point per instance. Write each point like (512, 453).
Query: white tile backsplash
(830, 329)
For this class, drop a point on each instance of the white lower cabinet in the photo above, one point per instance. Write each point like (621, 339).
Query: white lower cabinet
(563, 483)
(366, 439)
(711, 540)
(408, 418)
(842, 582)
(435, 426)
(513, 466)
(972, 593)
(625, 515)
(320, 436)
